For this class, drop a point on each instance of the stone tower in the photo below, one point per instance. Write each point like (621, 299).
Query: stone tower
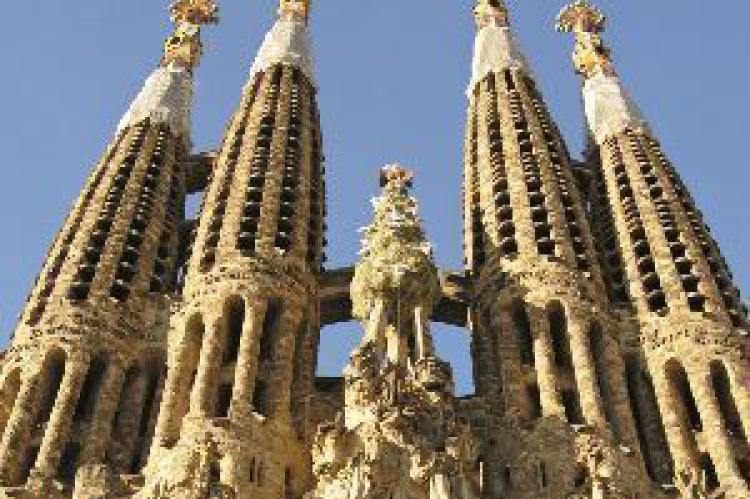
(400, 435)
(80, 379)
(692, 325)
(241, 345)
(159, 357)
(546, 352)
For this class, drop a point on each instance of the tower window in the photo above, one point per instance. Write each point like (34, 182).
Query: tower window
(90, 391)
(523, 332)
(270, 327)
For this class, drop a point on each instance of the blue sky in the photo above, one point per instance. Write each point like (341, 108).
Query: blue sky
(392, 76)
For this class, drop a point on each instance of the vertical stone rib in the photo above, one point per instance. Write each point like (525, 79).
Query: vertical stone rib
(128, 420)
(18, 428)
(545, 364)
(203, 397)
(247, 360)
(714, 429)
(98, 436)
(57, 431)
(585, 371)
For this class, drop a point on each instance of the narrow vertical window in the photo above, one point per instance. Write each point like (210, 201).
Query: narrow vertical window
(235, 323)
(92, 384)
(270, 327)
(523, 332)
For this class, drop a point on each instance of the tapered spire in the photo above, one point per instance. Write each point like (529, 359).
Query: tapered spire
(288, 41)
(491, 13)
(495, 46)
(167, 94)
(609, 108)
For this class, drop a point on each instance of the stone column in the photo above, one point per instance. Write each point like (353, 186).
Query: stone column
(247, 358)
(376, 324)
(100, 429)
(514, 386)
(180, 371)
(585, 372)
(18, 427)
(280, 381)
(714, 429)
(57, 431)
(129, 421)
(425, 347)
(203, 398)
(544, 360)
(675, 426)
(619, 400)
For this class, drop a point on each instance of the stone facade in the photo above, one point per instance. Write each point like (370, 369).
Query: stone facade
(159, 357)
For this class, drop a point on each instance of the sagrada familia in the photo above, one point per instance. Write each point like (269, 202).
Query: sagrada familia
(160, 357)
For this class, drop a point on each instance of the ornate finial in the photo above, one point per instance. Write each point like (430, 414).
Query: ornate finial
(298, 10)
(397, 176)
(591, 56)
(195, 12)
(184, 46)
(491, 13)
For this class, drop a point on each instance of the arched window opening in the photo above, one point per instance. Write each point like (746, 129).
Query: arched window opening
(572, 406)
(251, 475)
(710, 477)
(301, 376)
(649, 425)
(453, 345)
(260, 398)
(681, 386)
(523, 332)
(558, 328)
(337, 342)
(224, 400)
(731, 416)
(508, 478)
(151, 404)
(214, 473)
(287, 482)
(633, 372)
(270, 329)
(598, 353)
(543, 480)
(8, 396)
(52, 376)
(535, 401)
(235, 322)
(92, 384)
(28, 461)
(66, 471)
(727, 405)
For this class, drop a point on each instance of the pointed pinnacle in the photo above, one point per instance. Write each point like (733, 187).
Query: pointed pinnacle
(580, 17)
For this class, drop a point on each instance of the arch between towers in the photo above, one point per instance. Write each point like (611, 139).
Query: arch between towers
(336, 304)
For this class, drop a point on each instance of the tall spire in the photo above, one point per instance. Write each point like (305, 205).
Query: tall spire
(495, 46)
(288, 42)
(609, 108)
(166, 96)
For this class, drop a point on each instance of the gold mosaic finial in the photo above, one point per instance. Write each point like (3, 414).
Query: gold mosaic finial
(184, 47)
(295, 9)
(491, 13)
(591, 56)
(397, 176)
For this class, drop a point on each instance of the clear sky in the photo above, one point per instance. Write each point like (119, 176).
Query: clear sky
(392, 77)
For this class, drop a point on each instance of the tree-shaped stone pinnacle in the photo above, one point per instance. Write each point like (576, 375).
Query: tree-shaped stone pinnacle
(196, 12)
(580, 17)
